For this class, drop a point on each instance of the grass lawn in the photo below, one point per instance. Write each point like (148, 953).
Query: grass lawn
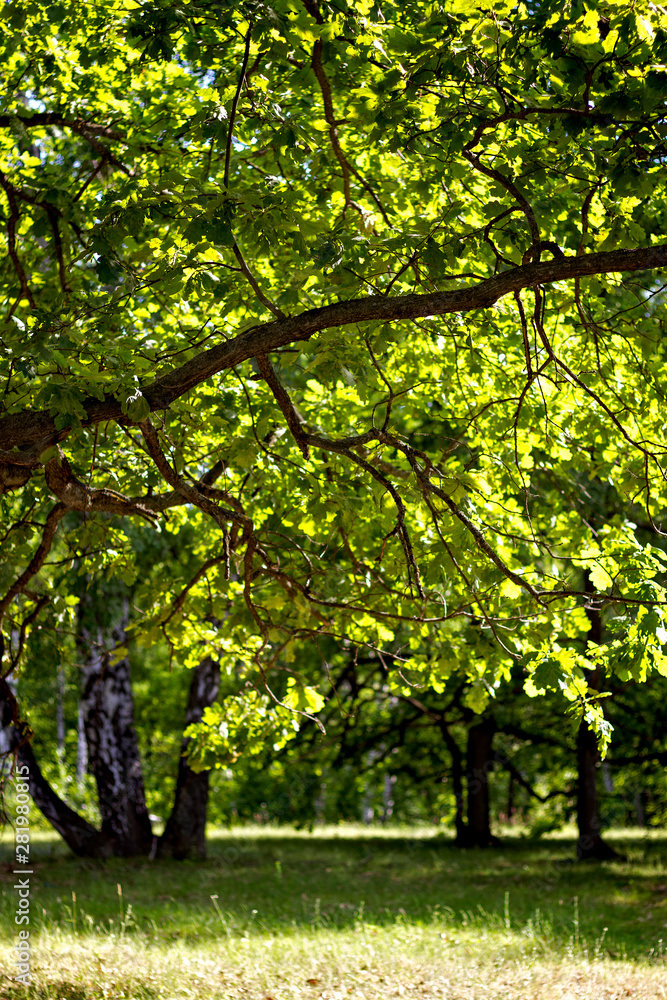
(345, 912)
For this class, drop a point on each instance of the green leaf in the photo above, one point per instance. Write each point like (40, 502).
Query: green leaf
(302, 697)
(136, 406)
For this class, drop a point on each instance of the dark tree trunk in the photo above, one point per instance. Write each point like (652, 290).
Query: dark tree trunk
(590, 845)
(478, 764)
(78, 834)
(510, 799)
(185, 832)
(113, 750)
(457, 783)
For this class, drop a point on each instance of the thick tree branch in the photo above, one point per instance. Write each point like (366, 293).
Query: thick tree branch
(42, 119)
(77, 496)
(284, 402)
(83, 838)
(12, 220)
(27, 427)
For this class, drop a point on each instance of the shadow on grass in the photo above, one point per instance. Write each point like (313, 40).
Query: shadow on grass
(281, 882)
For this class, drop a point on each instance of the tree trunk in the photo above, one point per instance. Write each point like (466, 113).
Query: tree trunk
(81, 750)
(106, 718)
(510, 799)
(185, 832)
(113, 750)
(590, 845)
(478, 764)
(457, 783)
(60, 711)
(387, 800)
(79, 835)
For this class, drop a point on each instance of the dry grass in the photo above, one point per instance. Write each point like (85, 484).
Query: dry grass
(281, 915)
(365, 965)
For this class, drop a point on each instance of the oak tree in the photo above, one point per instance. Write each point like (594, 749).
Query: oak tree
(370, 295)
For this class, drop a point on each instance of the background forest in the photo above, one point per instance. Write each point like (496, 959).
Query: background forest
(384, 757)
(333, 480)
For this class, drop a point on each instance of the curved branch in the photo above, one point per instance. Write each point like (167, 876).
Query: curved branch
(77, 832)
(426, 486)
(190, 494)
(13, 218)
(77, 496)
(519, 778)
(37, 561)
(235, 104)
(27, 427)
(283, 400)
(325, 87)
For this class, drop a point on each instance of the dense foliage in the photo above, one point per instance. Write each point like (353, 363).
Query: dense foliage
(365, 299)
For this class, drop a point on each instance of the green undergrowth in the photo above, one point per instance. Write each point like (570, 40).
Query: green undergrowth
(334, 905)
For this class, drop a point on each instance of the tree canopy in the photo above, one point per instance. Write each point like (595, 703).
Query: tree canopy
(366, 296)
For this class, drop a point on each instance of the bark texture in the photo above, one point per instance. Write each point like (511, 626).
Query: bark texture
(33, 430)
(108, 741)
(479, 762)
(113, 751)
(590, 845)
(79, 835)
(185, 833)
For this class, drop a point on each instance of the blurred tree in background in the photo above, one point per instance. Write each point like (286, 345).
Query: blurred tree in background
(330, 330)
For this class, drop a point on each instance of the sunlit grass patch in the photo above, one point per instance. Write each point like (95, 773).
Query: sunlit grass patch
(366, 913)
(369, 963)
